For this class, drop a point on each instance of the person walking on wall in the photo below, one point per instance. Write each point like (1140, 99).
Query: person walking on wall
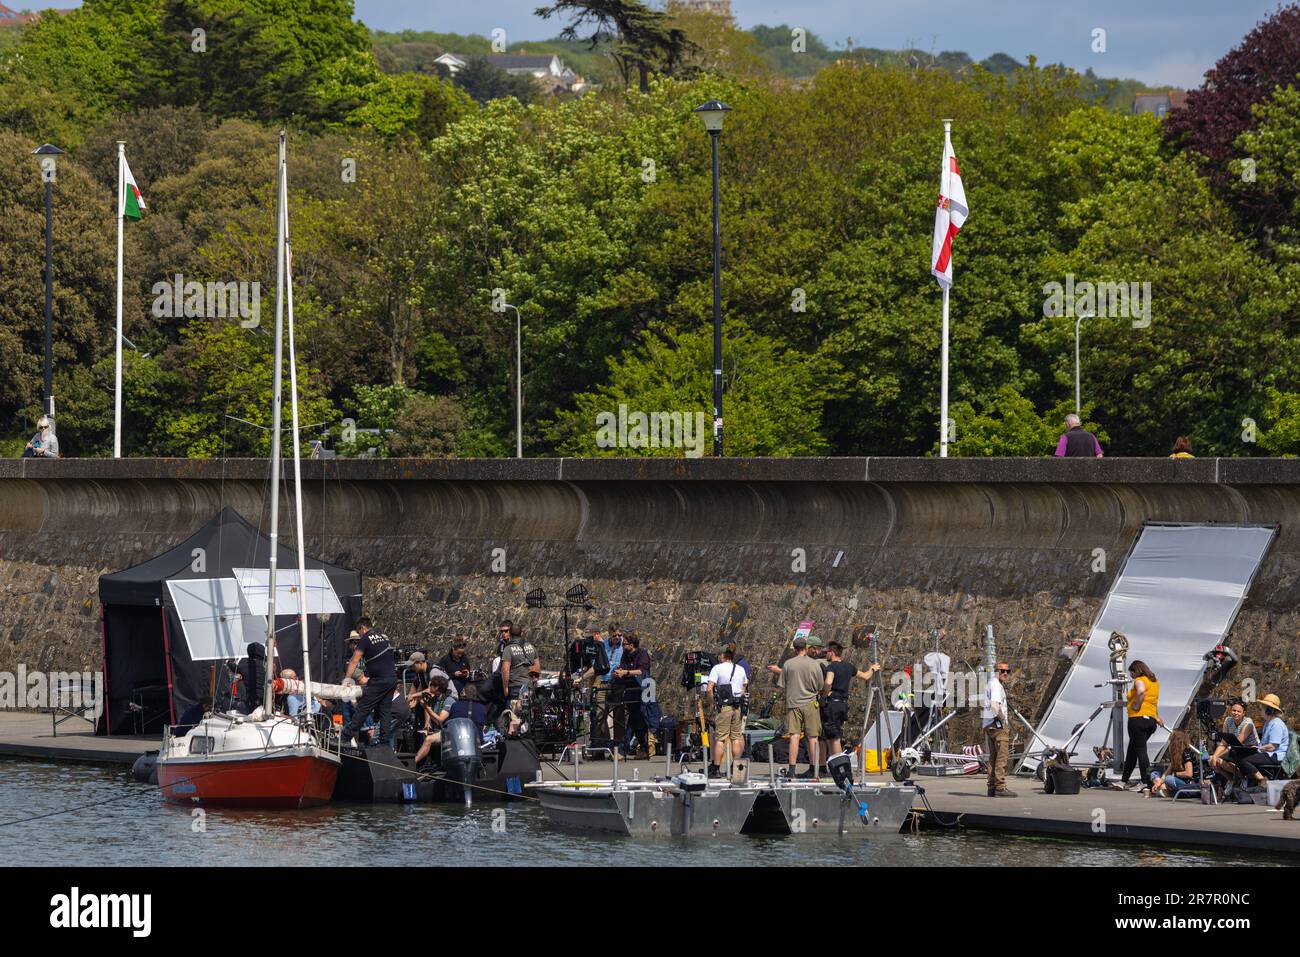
(44, 444)
(1182, 449)
(1076, 441)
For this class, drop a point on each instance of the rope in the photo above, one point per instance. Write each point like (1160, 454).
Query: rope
(427, 776)
(956, 822)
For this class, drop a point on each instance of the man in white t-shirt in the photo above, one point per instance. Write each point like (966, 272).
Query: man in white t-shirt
(996, 731)
(726, 684)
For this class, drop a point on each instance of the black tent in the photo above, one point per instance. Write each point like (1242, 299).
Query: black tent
(149, 675)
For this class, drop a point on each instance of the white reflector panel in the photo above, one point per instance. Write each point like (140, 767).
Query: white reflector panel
(1175, 599)
(256, 582)
(214, 617)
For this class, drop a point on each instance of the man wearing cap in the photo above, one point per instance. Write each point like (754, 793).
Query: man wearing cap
(802, 678)
(381, 678)
(1274, 740)
(415, 672)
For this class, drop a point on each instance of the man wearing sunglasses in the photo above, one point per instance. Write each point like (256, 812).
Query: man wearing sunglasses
(997, 733)
(44, 444)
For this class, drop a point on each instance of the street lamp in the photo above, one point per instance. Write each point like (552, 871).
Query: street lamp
(713, 113)
(519, 381)
(49, 168)
(1078, 395)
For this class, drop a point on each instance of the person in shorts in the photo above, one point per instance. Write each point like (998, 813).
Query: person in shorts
(802, 678)
(727, 681)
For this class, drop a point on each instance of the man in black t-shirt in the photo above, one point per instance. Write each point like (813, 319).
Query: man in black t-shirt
(456, 664)
(835, 694)
(381, 678)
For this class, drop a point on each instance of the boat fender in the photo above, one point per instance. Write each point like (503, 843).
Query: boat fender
(145, 768)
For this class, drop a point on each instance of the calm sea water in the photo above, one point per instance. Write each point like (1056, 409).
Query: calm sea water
(70, 815)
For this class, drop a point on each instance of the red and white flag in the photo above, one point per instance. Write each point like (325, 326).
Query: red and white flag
(949, 217)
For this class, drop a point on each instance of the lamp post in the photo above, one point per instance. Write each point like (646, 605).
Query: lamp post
(519, 381)
(713, 113)
(1078, 391)
(49, 167)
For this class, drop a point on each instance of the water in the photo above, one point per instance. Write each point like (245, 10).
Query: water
(86, 815)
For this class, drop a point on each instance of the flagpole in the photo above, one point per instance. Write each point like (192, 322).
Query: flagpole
(117, 391)
(943, 387)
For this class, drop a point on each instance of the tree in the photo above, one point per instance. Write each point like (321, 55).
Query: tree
(773, 397)
(83, 274)
(484, 82)
(427, 427)
(1221, 109)
(643, 40)
(1008, 424)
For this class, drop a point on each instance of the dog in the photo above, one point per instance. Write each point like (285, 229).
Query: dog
(1290, 794)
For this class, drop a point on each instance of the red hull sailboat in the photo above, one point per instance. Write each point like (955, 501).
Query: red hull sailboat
(231, 761)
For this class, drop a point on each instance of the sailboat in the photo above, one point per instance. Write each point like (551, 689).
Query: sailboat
(265, 759)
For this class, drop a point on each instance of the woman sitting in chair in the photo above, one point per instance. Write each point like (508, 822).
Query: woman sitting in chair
(1184, 769)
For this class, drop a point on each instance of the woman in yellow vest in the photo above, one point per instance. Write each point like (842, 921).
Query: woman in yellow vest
(1143, 698)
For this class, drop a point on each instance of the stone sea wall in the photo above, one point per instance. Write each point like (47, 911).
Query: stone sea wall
(686, 552)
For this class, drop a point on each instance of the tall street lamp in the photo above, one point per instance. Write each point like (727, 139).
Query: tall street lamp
(1078, 392)
(49, 167)
(713, 113)
(519, 381)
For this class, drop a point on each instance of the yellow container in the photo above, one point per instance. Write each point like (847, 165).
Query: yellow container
(872, 762)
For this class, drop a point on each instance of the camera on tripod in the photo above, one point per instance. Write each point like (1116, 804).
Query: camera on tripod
(696, 666)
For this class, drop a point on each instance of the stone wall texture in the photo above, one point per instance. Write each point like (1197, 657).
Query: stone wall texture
(686, 552)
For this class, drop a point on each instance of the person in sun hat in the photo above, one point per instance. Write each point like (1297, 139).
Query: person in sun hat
(1274, 740)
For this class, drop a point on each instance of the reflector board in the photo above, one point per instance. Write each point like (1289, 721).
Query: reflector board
(255, 584)
(1175, 599)
(216, 621)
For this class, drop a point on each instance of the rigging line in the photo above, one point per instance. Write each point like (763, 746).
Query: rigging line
(425, 775)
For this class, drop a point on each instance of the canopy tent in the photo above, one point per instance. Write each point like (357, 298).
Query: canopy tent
(152, 620)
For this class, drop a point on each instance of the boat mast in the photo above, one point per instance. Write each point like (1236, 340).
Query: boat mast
(297, 448)
(268, 698)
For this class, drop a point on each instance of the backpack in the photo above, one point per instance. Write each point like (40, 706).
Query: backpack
(1292, 759)
(725, 694)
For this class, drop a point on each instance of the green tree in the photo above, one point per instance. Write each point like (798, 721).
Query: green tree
(772, 395)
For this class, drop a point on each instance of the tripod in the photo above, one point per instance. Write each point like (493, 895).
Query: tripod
(1114, 733)
(877, 702)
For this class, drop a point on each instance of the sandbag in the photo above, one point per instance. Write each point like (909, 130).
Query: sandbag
(1062, 780)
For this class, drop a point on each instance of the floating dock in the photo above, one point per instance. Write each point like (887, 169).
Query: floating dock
(1093, 814)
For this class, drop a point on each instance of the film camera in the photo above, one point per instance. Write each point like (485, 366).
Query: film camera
(586, 652)
(1210, 712)
(696, 666)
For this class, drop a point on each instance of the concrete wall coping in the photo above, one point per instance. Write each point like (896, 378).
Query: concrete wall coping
(1156, 471)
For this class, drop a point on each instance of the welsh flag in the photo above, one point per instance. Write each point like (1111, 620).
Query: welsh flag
(132, 199)
(949, 217)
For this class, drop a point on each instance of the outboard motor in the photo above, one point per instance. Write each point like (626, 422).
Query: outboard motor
(462, 757)
(841, 768)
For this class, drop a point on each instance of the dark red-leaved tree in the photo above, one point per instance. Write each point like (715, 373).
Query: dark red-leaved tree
(1217, 112)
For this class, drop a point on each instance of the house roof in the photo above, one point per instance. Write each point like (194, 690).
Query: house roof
(508, 61)
(9, 18)
(521, 61)
(12, 18)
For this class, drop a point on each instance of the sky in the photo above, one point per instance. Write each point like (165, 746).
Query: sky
(1155, 41)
